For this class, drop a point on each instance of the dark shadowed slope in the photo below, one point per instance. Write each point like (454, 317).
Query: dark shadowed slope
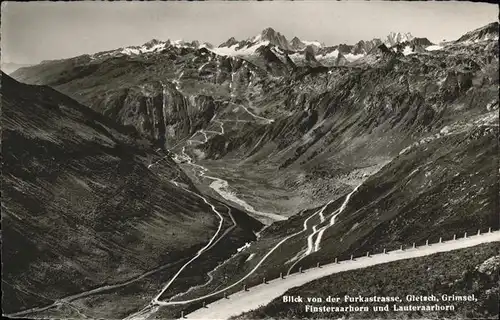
(80, 208)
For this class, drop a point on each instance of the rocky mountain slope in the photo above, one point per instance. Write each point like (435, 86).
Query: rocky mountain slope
(83, 208)
(488, 32)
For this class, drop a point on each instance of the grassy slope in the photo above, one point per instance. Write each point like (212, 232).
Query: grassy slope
(450, 273)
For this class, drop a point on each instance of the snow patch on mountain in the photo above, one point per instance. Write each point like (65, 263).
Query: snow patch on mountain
(353, 57)
(407, 50)
(143, 49)
(312, 43)
(234, 51)
(334, 54)
(434, 47)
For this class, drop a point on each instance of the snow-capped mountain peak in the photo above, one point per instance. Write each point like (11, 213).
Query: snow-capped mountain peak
(275, 38)
(233, 47)
(179, 42)
(396, 37)
(268, 34)
(229, 42)
(152, 46)
(297, 44)
(296, 41)
(193, 44)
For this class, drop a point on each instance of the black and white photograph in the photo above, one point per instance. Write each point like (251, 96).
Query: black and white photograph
(241, 160)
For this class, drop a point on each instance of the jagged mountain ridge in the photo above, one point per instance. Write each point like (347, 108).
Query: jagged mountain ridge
(301, 52)
(268, 36)
(326, 54)
(384, 101)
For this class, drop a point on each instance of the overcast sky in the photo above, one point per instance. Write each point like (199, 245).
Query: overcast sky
(31, 31)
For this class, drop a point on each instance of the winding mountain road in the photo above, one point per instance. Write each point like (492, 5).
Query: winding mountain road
(209, 245)
(169, 303)
(152, 306)
(262, 294)
(256, 116)
(314, 245)
(199, 253)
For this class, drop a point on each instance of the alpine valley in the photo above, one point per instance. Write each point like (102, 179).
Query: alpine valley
(151, 180)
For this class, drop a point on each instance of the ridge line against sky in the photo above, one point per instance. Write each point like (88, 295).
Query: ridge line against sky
(36, 31)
